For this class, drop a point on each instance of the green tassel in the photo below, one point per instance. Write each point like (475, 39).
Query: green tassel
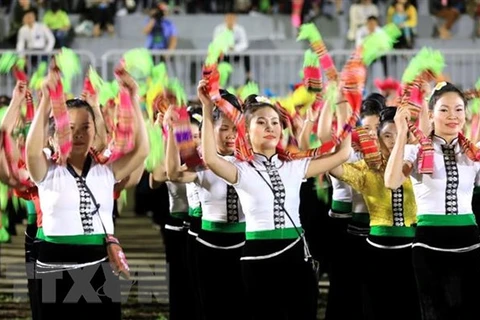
(37, 77)
(309, 32)
(379, 43)
(175, 86)
(4, 235)
(3, 110)
(67, 85)
(142, 88)
(20, 64)
(123, 197)
(69, 63)
(310, 59)
(157, 147)
(138, 62)
(248, 89)
(477, 85)
(225, 69)
(95, 79)
(159, 72)
(3, 197)
(425, 60)
(221, 44)
(108, 90)
(322, 191)
(331, 95)
(7, 62)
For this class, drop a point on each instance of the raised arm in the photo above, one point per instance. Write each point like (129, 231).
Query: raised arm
(13, 112)
(221, 167)
(174, 169)
(37, 163)
(100, 142)
(124, 166)
(307, 128)
(324, 129)
(397, 170)
(327, 163)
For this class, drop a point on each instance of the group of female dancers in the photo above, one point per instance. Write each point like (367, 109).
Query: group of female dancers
(405, 243)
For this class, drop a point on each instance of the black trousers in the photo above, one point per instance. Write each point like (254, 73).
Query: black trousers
(180, 289)
(346, 273)
(192, 263)
(448, 282)
(30, 258)
(220, 277)
(281, 288)
(390, 287)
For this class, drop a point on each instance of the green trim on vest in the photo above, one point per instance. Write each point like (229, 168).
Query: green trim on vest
(363, 217)
(443, 220)
(225, 227)
(386, 231)
(83, 239)
(195, 212)
(341, 207)
(285, 233)
(179, 215)
(31, 218)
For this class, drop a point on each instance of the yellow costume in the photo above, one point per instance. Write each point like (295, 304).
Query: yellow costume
(392, 213)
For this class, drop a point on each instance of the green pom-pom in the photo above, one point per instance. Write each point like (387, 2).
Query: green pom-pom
(7, 62)
(138, 62)
(67, 85)
(159, 72)
(142, 88)
(475, 106)
(69, 63)
(175, 86)
(157, 147)
(95, 79)
(232, 90)
(310, 59)
(20, 64)
(309, 32)
(477, 85)
(221, 44)
(331, 94)
(425, 60)
(379, 43)
(248, 89)
(225, 69)
(108, 90)
(37, 77)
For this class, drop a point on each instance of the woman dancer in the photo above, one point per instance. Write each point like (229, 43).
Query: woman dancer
(280, 283)
(392, 214)
(446, 254)
(72, 234)
(222, 236)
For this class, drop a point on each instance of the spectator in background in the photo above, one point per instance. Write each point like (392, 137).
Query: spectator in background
(19, 9)
(58, 21)
(473, 9)
(370, 27)
(359, 13)
(102, 15)
(450, 11)
(240, 38)
(404, 15)
(161, 32)
(34, 36)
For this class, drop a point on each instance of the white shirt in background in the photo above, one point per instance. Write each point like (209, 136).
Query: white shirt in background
(239, 35)
(37, 37)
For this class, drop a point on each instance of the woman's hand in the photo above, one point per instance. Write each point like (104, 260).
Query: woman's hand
(49, 84)
(203, 94)
(402, 117)
(19, 92)
(170, 117)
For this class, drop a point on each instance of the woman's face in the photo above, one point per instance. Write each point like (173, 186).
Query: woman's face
(388, 134)
(448, 115)
(265, 129)
(83, 130)
(195, 134)
(225, 135)
(370, 123)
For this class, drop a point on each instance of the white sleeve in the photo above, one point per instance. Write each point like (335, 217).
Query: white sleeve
(21, 39)
(410, 154)
(242, 44)
(49, 37)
